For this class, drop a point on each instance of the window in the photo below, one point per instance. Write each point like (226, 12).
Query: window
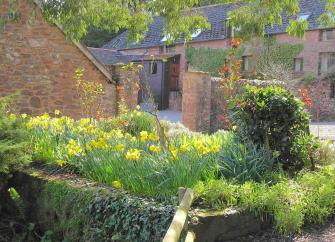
(245, 66)
(116, 43)
(227, 29)
(153, 68)
(165, 38)
(327, 34)
(171, 49)
(298, 65)
(196, 33)
(326, 62)
(332, 89)
(303, 17)
(161, 49)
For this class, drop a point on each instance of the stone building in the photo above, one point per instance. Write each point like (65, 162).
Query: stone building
(37, 60)
(316, 59)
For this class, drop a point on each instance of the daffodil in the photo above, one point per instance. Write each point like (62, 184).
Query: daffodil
(155, 148)
(119, 147)
(60, 163)
(153, 137)
(184, 148)
(24, 115)
(57, 112)
(144, 136)
(73, 148)
(116, 184)
(12, 116)
(215, 148)
(133, 154)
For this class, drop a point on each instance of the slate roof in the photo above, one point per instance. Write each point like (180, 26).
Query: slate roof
(217, 15)
(112, 57)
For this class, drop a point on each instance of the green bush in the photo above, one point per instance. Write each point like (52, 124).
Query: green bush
(244, 162)
(15, 149)
(290, 203)
(273, 117)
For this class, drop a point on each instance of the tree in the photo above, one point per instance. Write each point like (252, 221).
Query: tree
(253, 16)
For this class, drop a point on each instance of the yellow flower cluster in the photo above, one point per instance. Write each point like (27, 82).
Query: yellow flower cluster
(73, 148)
(60, 163)
(119, 147)
(155, 148)
(144, 136)
(98, 144)
(133, 154)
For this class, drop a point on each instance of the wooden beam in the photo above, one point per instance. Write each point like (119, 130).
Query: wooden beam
(180, 218)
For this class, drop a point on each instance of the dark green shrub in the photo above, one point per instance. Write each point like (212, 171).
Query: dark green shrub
(273, 117)
(244, 162)
(14, 141)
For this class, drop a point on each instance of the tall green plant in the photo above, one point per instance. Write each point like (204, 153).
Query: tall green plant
(14, 141)
(273, 117)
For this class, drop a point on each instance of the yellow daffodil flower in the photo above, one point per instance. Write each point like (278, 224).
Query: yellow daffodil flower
(60, 163)
(153, 137)
(144, 136)
(119, 147)
(155, 148)
(117, 184)
(133, 154)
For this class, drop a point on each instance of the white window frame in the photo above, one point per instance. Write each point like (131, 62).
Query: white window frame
(195, 33)
(303, 17)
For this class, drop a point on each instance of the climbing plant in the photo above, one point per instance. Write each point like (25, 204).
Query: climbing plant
(280, 54)
(207, 59)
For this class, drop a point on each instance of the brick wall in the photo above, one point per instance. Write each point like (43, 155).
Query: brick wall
(196, 104)
(37, 60)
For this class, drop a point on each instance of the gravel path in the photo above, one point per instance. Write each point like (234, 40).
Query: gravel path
(311, 233)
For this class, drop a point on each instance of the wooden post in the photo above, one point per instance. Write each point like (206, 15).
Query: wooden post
(190, 237)
(180, 218)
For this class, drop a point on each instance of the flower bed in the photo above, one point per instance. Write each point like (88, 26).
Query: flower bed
(225, 169)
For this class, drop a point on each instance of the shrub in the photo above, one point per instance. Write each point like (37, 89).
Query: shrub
(243, 162)
(14, 141)
(273, 117)
(310, 197)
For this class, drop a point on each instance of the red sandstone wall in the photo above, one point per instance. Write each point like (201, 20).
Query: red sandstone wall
(36, 59)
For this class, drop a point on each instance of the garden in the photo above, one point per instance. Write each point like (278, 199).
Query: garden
(267, 163)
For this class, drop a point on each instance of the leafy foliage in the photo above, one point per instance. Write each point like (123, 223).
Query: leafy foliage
(14, 141)
(273, 117)
(280, 54)
(97, 38)
(92, 215)
(207, 59)
(290, 202)
(245, 162)
(77, 16)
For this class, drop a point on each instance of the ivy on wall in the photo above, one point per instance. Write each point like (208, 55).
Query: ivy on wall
(210, 60)
(94, 214)
(282, 54)
(207, 59)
